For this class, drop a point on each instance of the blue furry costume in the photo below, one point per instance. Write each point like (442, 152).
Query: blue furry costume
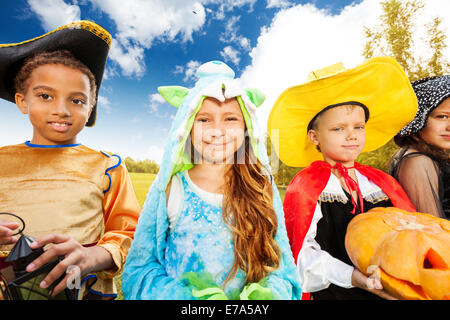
(158, 266)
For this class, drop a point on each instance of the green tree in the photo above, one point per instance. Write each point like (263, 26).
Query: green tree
(394, 37)
(282, 173)
(130, 164)
(437, 64)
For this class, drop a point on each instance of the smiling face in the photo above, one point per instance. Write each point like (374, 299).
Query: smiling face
(437, 130)
(340, 134)
(57, 101)
(218, 130)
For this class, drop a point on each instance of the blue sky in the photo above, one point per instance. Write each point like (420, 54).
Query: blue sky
(270, 44)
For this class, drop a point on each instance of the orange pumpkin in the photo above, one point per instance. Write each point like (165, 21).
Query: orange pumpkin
(409, 252)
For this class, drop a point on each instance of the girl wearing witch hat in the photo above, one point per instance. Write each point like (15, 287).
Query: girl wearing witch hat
(324, 125)
(422, 165)
(212, 225)
(77, 199)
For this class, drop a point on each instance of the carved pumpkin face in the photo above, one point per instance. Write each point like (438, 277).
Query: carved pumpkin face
(410, 252)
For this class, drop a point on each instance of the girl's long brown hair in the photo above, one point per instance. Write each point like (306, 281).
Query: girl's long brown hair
(248, 210)
(415, 141)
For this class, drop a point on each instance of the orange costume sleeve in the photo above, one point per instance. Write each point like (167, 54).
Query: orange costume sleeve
(121, 212)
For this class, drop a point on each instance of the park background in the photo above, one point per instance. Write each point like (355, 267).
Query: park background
(271, 45)
(395, 35)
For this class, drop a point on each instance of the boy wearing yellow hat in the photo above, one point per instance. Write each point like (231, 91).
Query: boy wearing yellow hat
(324, 125)
(79, 200)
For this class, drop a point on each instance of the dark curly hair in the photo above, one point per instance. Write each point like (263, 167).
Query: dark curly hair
(63, 57)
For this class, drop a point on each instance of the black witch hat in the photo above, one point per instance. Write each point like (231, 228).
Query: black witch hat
(86, 40)
(430, 92)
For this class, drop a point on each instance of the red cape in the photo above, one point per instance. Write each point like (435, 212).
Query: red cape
(304, 190)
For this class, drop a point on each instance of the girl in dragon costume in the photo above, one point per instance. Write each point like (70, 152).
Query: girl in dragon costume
(212, 225)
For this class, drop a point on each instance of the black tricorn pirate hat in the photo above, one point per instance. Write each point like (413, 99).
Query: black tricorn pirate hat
(86, 40)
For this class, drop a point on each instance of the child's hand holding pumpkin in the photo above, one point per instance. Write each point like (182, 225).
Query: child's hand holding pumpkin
(370, 284)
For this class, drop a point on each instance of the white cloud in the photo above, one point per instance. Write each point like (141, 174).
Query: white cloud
(278, 3)
(129, 57)
(244, 43)
(230, 54)
(189, 71)
(109, 73)
(104, 104)
(140, 22)
(230, 34)
(303, 38)
(178, 69)
(155, 100)
(225, 6)
(231, 28)
(54, 13)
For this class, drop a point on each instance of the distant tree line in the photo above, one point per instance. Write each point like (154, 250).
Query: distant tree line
(141, 166)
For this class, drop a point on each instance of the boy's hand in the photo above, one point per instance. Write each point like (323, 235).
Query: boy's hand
(85, 259)
(372, 285)
(6, 232)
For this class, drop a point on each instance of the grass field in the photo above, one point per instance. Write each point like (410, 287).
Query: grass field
(282, 191)
(141, 183)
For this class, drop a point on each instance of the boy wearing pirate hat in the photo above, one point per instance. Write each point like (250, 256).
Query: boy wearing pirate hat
(323, 125)
(77, 199)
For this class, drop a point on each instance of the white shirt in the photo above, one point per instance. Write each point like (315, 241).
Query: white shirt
(317, 268)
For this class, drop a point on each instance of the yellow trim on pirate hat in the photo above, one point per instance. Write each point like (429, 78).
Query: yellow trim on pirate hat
(379, 84)
(86, 40)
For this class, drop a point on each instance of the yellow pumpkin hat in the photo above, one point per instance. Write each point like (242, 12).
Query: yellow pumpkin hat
(379, 84)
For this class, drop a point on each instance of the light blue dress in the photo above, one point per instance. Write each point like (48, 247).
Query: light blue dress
(201, 241)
